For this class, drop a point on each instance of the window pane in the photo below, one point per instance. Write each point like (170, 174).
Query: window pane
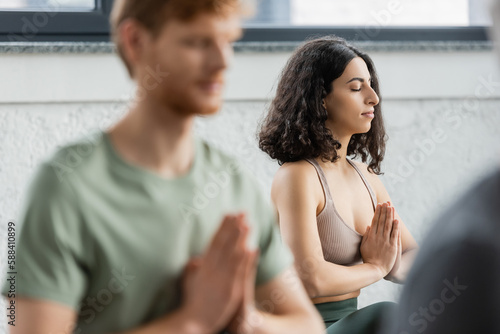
(48, 5)
(371, 13)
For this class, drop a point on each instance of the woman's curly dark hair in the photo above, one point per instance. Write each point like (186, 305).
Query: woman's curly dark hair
(295, 129)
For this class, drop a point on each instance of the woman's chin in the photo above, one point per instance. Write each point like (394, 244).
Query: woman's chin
(364, 129)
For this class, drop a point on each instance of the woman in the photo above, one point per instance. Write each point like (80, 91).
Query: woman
(327, 109)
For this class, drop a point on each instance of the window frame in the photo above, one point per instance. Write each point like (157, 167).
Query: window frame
(375, 34)
(47, 26)
(94, 27)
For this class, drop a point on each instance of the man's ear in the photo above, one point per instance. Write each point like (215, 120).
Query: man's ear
(134, 40)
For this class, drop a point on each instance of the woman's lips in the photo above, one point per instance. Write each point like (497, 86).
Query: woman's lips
(369, 114)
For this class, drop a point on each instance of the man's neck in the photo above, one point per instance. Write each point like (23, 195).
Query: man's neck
(156, 139)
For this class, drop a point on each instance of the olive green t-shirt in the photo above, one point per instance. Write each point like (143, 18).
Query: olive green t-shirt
(111, 239)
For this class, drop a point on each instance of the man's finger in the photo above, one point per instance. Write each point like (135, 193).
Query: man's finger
(226, 231)
(234, 250)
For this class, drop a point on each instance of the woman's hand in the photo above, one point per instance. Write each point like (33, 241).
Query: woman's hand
(379, 246)
(397, 264)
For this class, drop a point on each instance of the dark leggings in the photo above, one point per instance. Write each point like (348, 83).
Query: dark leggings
(344, 318)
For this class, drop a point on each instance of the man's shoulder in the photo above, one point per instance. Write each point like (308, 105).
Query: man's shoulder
(76, 156)
(214, 155)
(53, 193)
(222, 165)
(217, 160)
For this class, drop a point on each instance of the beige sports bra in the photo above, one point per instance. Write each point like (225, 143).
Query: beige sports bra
(339, 241)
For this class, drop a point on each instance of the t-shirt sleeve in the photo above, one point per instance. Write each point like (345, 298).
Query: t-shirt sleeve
(48, 264)
(275, 256)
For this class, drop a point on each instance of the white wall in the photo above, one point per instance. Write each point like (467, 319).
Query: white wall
(44, 78)
(442, 111)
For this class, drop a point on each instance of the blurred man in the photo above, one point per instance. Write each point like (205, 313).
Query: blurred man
(122, 232)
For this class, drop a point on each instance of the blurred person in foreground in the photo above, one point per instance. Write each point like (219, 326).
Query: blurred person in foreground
(145, 228)
(454, 286)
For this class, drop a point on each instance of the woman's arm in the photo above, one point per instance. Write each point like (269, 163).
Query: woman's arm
(409, 245)
(295, 194)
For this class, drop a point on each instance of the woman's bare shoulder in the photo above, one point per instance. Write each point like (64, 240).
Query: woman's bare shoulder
(296, 186)
(299, 176)
(297, 171)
